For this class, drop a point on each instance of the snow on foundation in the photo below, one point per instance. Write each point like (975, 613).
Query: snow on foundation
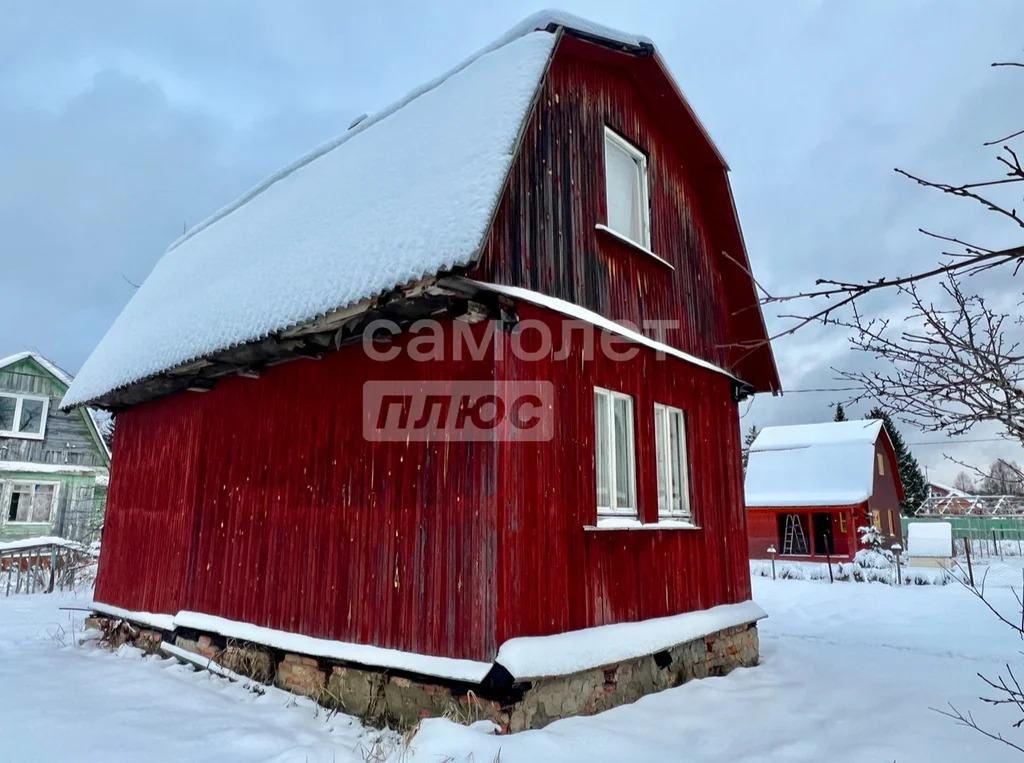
(525, 658)
(566, 653)
(363, 654)
(153, 620)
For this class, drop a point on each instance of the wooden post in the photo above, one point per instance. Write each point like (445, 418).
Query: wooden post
(17, 585)
(970, 568)
(828, 556)
(53, 569)
(995, 544)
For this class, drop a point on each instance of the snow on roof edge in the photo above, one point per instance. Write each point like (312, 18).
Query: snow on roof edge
(63, 376)
(573, 310)
(53, 368)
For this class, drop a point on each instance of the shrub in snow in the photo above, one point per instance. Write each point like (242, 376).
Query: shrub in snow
(871, 537)
(870, 558)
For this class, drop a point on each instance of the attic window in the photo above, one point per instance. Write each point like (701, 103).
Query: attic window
(23, 416)
(626, 192)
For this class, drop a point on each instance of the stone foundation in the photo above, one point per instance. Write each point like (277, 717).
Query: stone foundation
(382, 697)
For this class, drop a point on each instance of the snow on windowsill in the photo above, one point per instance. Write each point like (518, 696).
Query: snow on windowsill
(625, 523)
(633, 244)
(532, 657)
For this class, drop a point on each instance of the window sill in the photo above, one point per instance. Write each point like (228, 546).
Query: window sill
(28, 524)
(23, 435)
(605, 524)
(633, 245)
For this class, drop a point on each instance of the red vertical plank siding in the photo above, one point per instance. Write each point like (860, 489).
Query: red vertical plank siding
(556, 575)
(887, 492)
(261, 501)
(545, 238)
(148, 527)
(293, 521)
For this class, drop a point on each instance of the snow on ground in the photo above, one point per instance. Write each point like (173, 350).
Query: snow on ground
(60, 702)
(849, 672)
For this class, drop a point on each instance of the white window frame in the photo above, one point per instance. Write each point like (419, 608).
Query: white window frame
(19, 399)
(643, 187)
(8, 492)
(614, 510)
(664, 465)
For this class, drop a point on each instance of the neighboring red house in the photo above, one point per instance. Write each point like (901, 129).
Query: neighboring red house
(809, 487)
(552, 183)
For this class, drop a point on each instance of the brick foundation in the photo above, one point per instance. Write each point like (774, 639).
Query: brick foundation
(380, 697)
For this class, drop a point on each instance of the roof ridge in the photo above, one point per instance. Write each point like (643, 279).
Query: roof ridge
(542, 21)
(359, 126)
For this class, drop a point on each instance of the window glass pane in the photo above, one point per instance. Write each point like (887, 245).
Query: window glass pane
(31, 416)
(14, 507)
(676, 441)
(42, 503)
(623, 453)
(623, 191)
(661, 452)
(7, 405)
(601, 436)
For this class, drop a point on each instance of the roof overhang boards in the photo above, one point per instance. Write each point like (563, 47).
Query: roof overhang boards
(423, 299)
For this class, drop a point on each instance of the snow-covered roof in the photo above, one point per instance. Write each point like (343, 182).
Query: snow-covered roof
(54, 369)
(812, 464)
(405, 193)
(948, 490)
(64, 377)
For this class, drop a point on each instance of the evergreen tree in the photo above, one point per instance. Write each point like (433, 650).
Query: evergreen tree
(840, 413)
(748, 440)
(915, 486)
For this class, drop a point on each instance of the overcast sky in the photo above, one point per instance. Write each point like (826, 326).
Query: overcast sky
(123, 122)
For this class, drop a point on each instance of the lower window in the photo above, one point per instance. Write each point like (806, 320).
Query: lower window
(670, 445)
(31, 502)
(615, 454)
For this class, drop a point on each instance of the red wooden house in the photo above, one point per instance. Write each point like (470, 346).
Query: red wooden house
(809, 487)
(294, 380)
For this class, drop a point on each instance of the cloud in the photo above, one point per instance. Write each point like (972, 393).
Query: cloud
(122, 122)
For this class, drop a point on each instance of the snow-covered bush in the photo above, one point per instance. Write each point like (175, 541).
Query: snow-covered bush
(871, 537)
(871, 558)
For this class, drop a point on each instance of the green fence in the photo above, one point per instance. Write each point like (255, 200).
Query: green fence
(995, 536)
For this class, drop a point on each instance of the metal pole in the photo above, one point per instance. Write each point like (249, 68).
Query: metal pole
(970, 568)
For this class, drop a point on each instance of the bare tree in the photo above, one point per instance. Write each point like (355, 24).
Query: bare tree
(953, 360)
(964, 483)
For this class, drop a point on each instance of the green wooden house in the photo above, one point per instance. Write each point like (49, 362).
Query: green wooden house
(54, 464)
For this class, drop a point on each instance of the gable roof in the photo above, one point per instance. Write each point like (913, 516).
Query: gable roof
(403, 195)
(829, 464)
(92, 419)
